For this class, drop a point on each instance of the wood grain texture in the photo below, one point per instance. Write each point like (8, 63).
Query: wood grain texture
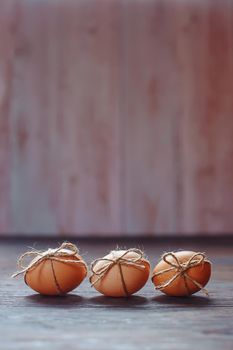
(116, 117)
(7, 31)
(205, 53)
(179, 117)
(85, 320)
(152, 108)
(65, 115)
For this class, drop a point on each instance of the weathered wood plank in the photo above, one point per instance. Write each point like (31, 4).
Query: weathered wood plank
(85, 319)
(7, 28)
(205, 50)
(65, 111)
(152, 107)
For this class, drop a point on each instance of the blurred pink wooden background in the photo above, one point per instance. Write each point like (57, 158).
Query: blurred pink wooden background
(116, 117)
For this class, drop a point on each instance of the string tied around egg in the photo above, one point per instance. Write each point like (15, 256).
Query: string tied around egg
(122, 260)
(61, 254)
(181, 269)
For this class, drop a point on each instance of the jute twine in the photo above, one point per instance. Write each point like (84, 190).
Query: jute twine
(66, 250)
(181, 269)
(123, 260)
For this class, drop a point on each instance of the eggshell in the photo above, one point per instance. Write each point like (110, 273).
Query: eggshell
(52, 277)
(111, 283)
(200, 274)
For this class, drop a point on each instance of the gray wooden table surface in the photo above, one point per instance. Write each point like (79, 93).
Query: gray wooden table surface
(86, 320)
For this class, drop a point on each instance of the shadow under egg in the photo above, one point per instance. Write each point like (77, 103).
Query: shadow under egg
(123, 302)
(189, 301)
(58, 301)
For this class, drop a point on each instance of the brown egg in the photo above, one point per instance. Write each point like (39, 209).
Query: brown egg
(55, 271)
(120, 273)
(182, 273)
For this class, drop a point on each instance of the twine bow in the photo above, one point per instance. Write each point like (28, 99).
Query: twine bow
(122, 260)
(50, 254)
(196, 259)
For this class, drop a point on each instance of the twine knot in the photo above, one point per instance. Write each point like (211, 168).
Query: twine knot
(181, 269)
(119, 261)
(66, 250)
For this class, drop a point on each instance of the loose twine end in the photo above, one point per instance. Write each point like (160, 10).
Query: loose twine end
(181, 269)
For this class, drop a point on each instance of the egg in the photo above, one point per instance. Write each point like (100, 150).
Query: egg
(55, 271)
(120, 273)
(182, 273)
